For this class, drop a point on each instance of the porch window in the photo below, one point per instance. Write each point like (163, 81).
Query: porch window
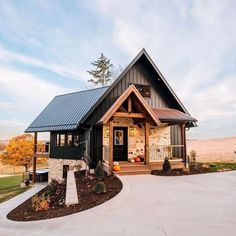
(76, 139)
(58, 140)
(119, 140)
(69, 140)
(62, 139)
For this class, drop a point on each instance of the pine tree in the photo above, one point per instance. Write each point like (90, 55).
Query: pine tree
(102, 73)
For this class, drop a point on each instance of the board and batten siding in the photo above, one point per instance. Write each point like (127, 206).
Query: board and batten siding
(140, 73)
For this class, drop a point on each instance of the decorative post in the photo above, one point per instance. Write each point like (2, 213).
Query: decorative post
(110, 143)
(146, 125)
(184, 142)
(35, 157)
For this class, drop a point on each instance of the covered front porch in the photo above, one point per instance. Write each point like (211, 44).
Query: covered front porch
(132, 129)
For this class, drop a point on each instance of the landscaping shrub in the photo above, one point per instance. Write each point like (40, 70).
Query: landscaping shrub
(193, 155)
(166, 165)
(40, 203)
(100, 187)
(27, 183)
(99, 172)
(52, 187)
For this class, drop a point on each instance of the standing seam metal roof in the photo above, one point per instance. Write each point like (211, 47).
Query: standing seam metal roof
(65, 112)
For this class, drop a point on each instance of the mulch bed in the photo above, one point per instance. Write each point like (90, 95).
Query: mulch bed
(88, 198)
(194, 169)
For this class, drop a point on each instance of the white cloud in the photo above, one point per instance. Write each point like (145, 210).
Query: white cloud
(24, 97)
(193, 44)
(64, 69)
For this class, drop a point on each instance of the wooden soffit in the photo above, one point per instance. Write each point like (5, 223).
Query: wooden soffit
(113, 109)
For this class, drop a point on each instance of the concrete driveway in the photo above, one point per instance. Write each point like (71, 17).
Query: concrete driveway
(149, 205)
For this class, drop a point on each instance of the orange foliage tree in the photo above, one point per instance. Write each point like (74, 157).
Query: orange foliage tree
(2, 147)
(20, 152)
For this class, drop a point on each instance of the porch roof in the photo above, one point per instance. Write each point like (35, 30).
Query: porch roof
(130, 90)
(170, 115)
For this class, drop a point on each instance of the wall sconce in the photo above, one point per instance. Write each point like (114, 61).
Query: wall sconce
(132, 131)
(107, 131)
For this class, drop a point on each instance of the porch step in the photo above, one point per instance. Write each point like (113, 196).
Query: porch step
(134, 172)
(127, 168)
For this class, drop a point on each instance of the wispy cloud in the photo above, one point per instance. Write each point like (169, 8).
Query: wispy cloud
(193, 43)
(46, 49)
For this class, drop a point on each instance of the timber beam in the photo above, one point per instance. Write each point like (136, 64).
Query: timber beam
(129, 115)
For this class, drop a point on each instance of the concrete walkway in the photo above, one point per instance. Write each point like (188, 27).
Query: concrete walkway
(149, 205)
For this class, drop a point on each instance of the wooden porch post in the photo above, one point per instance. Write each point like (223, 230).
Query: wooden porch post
(184, 142)
(110, 143)
(146, 125)
(35, 157)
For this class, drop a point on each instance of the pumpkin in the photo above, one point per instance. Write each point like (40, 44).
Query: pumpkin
(132, 160)
(115, 163)
(137, 159)
(116, 168)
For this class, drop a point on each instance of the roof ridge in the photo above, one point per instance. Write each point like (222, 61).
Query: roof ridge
(81, 91)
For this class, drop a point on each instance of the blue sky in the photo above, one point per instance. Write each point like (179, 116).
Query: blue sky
(46, 48)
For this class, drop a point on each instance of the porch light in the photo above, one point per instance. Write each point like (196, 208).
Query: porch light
(107, 131)
(132, 131)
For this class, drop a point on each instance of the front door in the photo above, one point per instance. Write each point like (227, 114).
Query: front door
(120, 144)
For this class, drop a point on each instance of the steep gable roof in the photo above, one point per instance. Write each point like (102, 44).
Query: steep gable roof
(142, 53)
(65, 112)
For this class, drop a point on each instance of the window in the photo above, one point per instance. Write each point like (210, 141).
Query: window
(58, 140)
(69, 140)
(119, 140)
(76, 139)
(144, 90)
(62, 139)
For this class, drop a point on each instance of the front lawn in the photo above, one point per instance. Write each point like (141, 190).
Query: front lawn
(10, 187)
(223, 166)
(198, 168)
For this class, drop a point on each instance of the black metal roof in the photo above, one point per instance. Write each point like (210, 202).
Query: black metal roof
(66, 111)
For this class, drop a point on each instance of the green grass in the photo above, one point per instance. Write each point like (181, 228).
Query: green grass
(223, 166)
(10, 187)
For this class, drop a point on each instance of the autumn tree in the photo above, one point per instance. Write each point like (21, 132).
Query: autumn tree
(20, 152)
(101, 75)
(2, 147)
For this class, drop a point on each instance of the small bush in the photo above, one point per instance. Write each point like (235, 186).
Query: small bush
(166, 165)
(100, 187)
(99, 172)
(52, 187)
(40, 203)
(193, 155)
(27, 183)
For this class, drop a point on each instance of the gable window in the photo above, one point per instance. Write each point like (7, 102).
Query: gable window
(144, 90)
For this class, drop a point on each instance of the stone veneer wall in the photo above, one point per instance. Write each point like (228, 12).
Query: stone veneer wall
(136, 142)
(56, 167)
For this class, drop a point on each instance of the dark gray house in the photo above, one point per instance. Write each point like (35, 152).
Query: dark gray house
(139, 115)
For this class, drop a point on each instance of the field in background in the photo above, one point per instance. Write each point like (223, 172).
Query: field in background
(214, 150)
(10, 187)
(6, 169)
